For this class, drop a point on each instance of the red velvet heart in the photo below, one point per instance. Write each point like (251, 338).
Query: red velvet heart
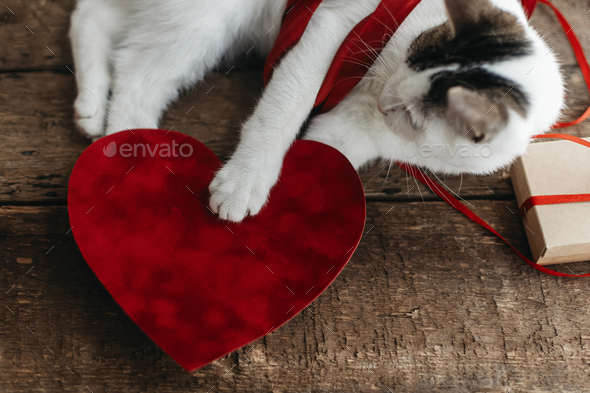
(201, 287)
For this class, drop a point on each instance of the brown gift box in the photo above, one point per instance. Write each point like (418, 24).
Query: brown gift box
(557, 233)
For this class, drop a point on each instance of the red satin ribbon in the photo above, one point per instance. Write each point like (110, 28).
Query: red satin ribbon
(361, 46)
(580, 57)
(297, 16)
(371, 35)
(555, 199)
(529, 6)
(451, 200)
(551, 200)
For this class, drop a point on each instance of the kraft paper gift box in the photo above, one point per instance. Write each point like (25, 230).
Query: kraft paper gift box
(557, 233)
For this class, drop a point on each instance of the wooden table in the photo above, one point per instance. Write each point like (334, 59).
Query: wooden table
(429, 302)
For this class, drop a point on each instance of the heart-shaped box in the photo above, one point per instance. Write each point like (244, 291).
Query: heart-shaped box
(201, 287)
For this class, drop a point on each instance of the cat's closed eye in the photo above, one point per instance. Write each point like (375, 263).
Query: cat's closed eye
(452, 73)
(468, 80)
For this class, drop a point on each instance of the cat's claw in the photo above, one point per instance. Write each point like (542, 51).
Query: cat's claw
(237, 191)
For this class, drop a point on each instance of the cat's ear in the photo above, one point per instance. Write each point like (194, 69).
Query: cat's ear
(475, 115)
(465, 15)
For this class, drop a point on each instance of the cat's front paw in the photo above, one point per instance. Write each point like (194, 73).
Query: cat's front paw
(89, 114)
(238, 190)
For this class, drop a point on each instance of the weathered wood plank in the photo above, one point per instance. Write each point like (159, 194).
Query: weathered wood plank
(35, 34)
(576, 12)
(429, 302)
(49, 20)
(40, 144)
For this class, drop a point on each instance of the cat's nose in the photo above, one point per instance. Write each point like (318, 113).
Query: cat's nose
(475, 115)
(478, 137)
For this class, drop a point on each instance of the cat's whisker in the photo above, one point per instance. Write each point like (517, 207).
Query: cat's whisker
(370, 42)
(380, 61)
(368, 47)
(367, 67)
(362, 77)
(378, 173)
(392, 17)
(417, 186)
(384, 25)
(367, 51)
(375, 80)
(379, 58)
(376, 57)
(387, 176)
(364, 51)
(407, 183)
(354, 42)
(373, 77)
(396, 51)
(451, 191)
(431, 183)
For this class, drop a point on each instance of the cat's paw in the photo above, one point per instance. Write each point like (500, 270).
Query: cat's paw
(89, 115)
(238, 191)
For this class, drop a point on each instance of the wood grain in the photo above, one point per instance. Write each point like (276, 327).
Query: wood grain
(35, 34)
(429, 302)
(40, 143)
(49, 21)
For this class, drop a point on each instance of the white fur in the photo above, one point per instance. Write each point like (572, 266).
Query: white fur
(543, 85)
(156, 47)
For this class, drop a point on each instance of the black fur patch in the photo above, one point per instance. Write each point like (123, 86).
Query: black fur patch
(494, 86)
(476, 32)
(468, 51)
(435, 48)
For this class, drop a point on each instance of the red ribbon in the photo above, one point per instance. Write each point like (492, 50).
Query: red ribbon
(551, 200)
(529, 6)
(363, 43)
(555, 199)
(295, 21)
(372, 34)
(451, 200)
(580, 57)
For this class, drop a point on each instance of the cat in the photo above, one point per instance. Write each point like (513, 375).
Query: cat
(457, 77)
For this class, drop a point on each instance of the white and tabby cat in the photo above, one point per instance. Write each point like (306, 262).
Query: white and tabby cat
(456, 72)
